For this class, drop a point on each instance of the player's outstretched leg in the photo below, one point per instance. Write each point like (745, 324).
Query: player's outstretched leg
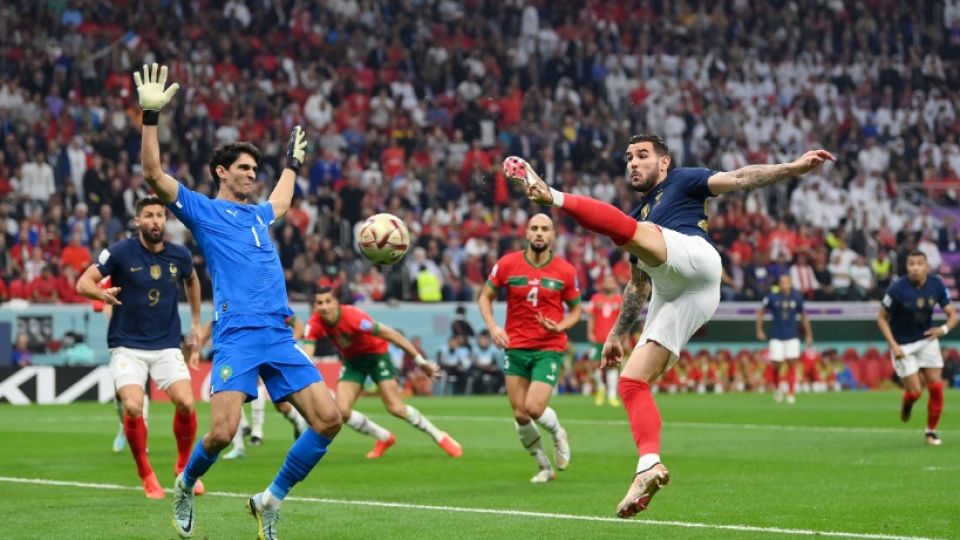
(934, 408)
(294, 417)
(317, 406)
(791, 382)
(596, 216)
(906, 405)
(362, 424)
(613, 376)
(390, 394)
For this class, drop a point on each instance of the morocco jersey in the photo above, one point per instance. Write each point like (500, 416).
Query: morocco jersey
(604, 309)
(531, 290)
(354, 333)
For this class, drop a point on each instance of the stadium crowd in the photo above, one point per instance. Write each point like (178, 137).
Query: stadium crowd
(411, 107)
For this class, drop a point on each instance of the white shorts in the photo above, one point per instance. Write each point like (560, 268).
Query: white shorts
(131, 366)
(919, 354)
(784, 349)
(686, 292)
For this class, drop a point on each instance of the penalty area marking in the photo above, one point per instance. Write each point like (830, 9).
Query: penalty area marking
(492, 511)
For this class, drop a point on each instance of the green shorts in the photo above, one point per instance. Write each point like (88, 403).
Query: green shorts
(378, 367)
(543, 366)
(596, 352)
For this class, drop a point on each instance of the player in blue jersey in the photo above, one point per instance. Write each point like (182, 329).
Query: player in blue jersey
(906, 322)
(785, 306)
(673, 253)
(144, 330)
(250, 336)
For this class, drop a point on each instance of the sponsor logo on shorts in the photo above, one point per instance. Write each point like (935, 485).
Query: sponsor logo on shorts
(551, 377)
(226, 372)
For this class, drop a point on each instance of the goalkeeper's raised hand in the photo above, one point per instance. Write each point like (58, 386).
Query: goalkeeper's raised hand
(151, 93)
(296, 149)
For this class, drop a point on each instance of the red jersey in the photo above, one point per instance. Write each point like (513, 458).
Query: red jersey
(354, 333)
(532, 290)
(604, 309)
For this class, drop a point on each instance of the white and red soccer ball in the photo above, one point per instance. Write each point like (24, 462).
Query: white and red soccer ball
(383, 239)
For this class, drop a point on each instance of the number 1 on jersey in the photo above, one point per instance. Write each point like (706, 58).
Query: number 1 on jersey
(532, 295)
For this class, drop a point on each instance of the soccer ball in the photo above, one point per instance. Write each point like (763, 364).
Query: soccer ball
(383, 239)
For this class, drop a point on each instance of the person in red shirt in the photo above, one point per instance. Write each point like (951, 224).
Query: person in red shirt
(43, 288)
(603, 312)
(538, 284)
(363, 345)
(75, 254)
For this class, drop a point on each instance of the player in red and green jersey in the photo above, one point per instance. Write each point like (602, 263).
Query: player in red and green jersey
(603, 313)
(538, 284)
(363, 346)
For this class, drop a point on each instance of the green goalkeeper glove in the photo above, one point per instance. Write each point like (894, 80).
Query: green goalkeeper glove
(296, 149)
(151, 93)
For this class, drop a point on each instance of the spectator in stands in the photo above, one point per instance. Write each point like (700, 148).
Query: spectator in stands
(803, 277)
(882, 268)
(861, 278)
(22, 356)
(454, 362)
(486, 371)
(44, 288)
(461, 327)
(75, 254)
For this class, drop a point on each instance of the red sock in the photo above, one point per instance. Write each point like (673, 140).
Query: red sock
(791, 378)
(136, 432)
(934, 404)
(642, 413)
(909, 397)
(775, 373)
(600, 217)
(185, 431)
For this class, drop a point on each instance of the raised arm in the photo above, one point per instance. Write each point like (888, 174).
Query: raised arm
(283, 192)
(89, 285)
(757, 176)
(635, 295)
(153, 98)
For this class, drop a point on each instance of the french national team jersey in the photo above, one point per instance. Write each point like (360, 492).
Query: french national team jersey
(248, 282)
(604, 309)
(911, 308)
(785, 309)
(354, 332)
(679, 202)
(147, 317)
(532, 290)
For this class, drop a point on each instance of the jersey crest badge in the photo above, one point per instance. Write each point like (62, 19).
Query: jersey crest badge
(156, 271)
(920, 302)
(173, 270)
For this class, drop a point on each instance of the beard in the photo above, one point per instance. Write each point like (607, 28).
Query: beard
(151, 236)
(539, 248)
(644, 183)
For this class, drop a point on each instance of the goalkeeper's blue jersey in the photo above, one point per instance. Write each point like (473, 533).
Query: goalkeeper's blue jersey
(248, 283)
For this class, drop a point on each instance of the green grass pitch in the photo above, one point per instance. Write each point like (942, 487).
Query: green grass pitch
(742, 467)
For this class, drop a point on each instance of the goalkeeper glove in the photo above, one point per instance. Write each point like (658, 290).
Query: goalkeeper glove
(151, 93)
(296, 149)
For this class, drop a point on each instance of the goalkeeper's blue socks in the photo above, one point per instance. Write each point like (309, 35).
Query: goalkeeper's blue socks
(198, 465)
(305, 453)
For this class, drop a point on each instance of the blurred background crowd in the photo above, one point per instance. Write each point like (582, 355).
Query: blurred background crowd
(411, 105)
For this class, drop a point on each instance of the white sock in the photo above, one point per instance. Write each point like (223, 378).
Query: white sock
(297, 420)
(557, 198)
(244, 423)
(647, 461)
(612, 377)
(598, 379)
(257, 407)
(269, 500)
(420, 422)
(361, 423)
(549, 421)
(238, 440)
(530, 439)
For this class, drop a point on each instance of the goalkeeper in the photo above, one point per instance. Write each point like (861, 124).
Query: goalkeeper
(250, 337)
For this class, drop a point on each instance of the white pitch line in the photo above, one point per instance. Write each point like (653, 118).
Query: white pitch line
(494, 511)
(695, 425)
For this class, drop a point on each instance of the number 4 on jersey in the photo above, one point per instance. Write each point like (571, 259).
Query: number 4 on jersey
(532, 295)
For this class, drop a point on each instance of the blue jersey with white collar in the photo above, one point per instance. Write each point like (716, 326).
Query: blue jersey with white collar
(911, 308)
(147, 317)
(248, 283)
(679, 202)
(785, 309)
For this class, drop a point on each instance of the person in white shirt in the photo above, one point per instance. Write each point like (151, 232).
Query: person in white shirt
(862, 279)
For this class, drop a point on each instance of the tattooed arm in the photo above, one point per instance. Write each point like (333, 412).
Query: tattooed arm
(635, 296)
(757, 176)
